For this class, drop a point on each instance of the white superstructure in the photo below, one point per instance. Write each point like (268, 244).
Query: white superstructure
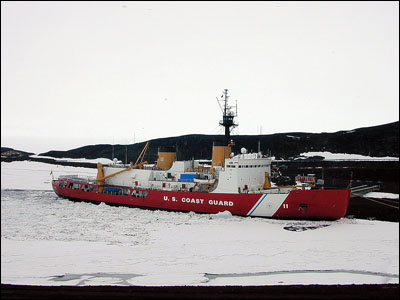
(243, 173)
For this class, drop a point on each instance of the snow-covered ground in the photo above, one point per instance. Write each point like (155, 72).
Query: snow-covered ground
(345, 156)
(379, 195)
(46, 240)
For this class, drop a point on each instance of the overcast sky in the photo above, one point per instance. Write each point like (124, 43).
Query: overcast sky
(78, 73)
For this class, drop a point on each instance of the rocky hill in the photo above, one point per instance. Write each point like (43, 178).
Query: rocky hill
(376, 141)
(10, 154)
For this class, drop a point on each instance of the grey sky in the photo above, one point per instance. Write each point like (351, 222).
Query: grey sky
(124, 72)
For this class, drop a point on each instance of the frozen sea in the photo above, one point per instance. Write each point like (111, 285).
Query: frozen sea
(46, 240)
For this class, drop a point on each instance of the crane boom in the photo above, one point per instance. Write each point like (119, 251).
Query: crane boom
(139, 162)
(141, 156)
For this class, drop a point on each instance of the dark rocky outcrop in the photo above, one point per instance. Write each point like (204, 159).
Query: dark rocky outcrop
(9, 154)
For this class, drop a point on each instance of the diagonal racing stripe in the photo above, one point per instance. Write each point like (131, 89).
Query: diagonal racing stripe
(257, 204)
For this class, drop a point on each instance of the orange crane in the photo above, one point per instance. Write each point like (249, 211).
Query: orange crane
(138, 164)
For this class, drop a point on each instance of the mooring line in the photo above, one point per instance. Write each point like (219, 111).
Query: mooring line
(380, 202)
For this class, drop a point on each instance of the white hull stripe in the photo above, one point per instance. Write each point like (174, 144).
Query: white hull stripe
(267, 206)
(257, 204)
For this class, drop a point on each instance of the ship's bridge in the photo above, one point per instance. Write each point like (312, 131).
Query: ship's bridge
(243, 173)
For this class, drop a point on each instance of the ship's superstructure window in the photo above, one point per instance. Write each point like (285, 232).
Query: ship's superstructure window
(74, 186)
(63, 183)
(251, 166)
(88, 188)
(139, 194)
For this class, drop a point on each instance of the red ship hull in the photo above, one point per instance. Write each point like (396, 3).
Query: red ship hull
(297, 204)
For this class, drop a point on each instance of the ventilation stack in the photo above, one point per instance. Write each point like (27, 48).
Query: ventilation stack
(166, 157)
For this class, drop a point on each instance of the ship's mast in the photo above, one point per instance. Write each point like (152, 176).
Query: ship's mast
(227, 116)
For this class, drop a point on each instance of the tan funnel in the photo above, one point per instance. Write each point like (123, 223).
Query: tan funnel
(219, 153)
(166, 157)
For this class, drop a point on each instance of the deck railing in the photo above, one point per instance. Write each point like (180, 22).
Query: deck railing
(79, 178)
